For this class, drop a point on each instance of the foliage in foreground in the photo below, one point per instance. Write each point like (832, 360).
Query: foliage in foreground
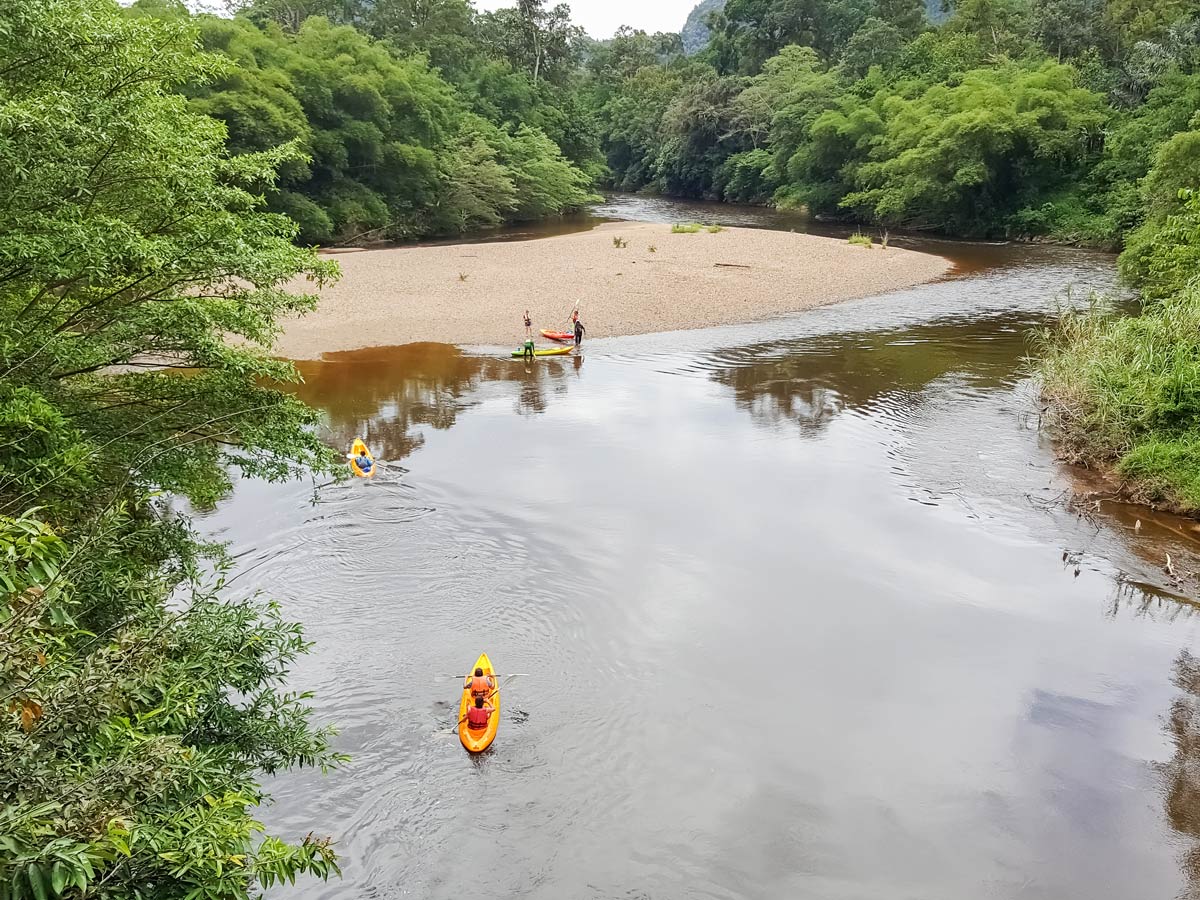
(137, 710)
(127, 765)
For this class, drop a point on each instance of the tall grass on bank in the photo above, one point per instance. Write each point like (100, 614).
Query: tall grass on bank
(1124, 392)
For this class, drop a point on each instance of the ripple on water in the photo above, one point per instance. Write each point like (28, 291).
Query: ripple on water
(780, 605)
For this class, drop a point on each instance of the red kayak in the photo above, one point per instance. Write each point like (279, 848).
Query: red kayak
(563, 336)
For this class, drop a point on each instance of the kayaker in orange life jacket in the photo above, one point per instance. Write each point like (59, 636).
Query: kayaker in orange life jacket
(482, 685)
(478, 715)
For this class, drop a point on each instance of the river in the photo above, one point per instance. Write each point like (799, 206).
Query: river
(803, 607)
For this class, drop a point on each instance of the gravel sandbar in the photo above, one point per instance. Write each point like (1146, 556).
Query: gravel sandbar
(477, 293)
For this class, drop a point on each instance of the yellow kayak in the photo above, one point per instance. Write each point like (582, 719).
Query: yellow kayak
(548, 351)
(479, 739)
(360, 449)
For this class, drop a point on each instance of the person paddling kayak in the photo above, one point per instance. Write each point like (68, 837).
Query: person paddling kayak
(361, 460)
(481, 685)
(478, 715)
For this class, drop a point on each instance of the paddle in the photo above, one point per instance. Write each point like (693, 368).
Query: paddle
(510, 675)
(490, 695)
(458, 724)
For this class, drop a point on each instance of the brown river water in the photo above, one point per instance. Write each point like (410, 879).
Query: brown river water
(802, 607)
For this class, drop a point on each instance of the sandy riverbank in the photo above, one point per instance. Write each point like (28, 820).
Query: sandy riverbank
(476, 293)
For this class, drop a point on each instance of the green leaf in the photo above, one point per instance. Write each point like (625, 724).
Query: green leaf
(37, 882)
(59, 875)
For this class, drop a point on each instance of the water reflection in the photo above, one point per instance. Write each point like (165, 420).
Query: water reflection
(811, 380)
(385, 393)
(1141, 600)
(1182, 772)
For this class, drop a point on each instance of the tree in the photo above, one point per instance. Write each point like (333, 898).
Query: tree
(1066, 28)
(876, 43)
(139, 709)
(627, 51)
(700, 132)
(752, 31)
(379, 129)
(906, 16)
(793, 90)
(1162, 256)
(1000, 25)
(535, 39)
(1132, 21)
(545, 181)
(631, 124)
(964, 158)
(291, 14)
(445, 29)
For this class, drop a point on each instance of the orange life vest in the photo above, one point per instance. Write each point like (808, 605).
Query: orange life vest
(480, 686)
(477, 718)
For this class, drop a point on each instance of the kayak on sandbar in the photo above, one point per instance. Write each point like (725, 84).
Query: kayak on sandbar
(545, 351)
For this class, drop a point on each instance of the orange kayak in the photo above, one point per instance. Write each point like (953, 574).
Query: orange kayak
(479, 739)
(563, 336)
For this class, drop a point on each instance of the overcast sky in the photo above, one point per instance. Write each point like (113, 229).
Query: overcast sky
(600, 18)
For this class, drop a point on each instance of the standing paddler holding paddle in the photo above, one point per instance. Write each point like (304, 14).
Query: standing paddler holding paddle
(528, 336)
(579, 330)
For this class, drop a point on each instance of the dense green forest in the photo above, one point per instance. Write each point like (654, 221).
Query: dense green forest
(1065, 119)
(414, 117)
(1059, 118)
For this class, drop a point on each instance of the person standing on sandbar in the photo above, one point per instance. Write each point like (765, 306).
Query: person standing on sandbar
(527, 350)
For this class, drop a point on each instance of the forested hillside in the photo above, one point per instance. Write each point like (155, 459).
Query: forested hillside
(1015, 117)
(417, 117)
